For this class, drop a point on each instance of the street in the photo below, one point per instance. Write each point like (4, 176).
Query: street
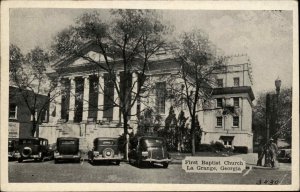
(48, 172)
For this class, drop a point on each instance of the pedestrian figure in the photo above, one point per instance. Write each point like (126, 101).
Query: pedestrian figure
(260, 154)
(273, 152)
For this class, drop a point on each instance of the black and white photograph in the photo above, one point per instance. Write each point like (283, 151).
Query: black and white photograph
(178, 96)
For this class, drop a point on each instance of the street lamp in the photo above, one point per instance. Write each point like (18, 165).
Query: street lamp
(277, 85)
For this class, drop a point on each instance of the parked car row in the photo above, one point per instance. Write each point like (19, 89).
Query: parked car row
(144, 150)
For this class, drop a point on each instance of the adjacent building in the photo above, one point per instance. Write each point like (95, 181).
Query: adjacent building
(229, 117)
(20, 118)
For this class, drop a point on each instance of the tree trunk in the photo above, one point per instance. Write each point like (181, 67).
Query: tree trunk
(193, 135)
(125, 125)
(34, 124)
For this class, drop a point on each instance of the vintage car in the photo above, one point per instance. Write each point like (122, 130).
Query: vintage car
(149, 149)
(12, 148)
(33, 148)
(105, 149)
(67, 148)
(284, 155)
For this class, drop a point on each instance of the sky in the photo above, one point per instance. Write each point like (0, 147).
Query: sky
(265, 36)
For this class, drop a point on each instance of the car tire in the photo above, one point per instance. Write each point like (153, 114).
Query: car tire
(20, 160)
(139, 163)
(165, 165)
(118, 162)
(92, 162)
(26, 151)
(130, 161)
(42, 159)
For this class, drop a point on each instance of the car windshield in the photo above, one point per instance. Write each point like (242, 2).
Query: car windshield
(29, 141)
(67, 142)
(154, 142)
(106, 142)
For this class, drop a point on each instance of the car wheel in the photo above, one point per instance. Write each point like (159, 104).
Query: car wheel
(92, 162)
(165, 165)
(130, 161)
(20, 160)
(139, 163)
(118, 162)
(55, 161)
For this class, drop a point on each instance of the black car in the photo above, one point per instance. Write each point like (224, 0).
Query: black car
(67, 148)
(105, 149)
(12, 148)
(149, 149)
(33, 148)
(285, 155)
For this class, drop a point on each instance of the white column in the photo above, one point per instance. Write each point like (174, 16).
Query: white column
(58, 100)
(100, 97)
(133, 95)
(86, 92)
(116, 100)
(72, 99)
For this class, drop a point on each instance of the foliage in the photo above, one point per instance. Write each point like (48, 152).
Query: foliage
(205, 148)
(28, 74)
(284, 115)
(170, 121)
(149, 122)
(240, 149)
(170, 131)
(217, 146)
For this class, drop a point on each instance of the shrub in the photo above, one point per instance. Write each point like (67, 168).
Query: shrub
(240, 149)
(204, 148)
(217, 146)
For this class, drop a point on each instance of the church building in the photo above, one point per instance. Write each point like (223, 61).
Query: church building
(85, 108)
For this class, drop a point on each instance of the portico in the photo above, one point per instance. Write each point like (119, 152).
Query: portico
(92, 98)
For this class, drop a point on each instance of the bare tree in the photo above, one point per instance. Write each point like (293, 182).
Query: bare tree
(199, 65)
(28, 74)
(127, 44)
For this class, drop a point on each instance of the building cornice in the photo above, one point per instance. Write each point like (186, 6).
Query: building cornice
(234, 90)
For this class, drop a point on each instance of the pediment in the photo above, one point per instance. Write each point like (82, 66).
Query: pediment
(98, 57)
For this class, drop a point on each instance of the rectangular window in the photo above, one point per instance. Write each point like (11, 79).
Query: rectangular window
(227, 143)
(236, 121)
(12, 111)
(219, 121)
(236, 102)
(160, 97)
(220, 83)
(236, 81)
(219, 103)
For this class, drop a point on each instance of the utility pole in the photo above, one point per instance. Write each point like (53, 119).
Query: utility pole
(268, 117)
(277, 85)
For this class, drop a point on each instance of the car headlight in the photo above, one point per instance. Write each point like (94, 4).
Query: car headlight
(56, 153)
(96, 153)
